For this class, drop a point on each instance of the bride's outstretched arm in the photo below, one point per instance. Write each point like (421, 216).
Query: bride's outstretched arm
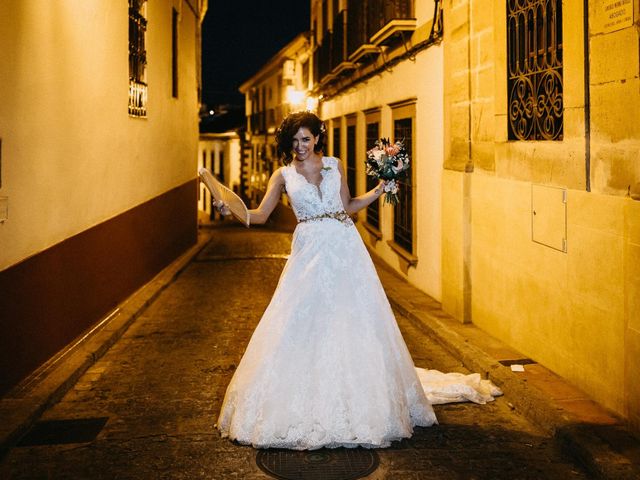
(274, 189)
(353, 205)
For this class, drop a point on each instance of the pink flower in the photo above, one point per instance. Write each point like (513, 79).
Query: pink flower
(398, 168)
(391, 150)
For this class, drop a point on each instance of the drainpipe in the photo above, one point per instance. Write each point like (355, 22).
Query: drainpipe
(466, 191)
(587, 99)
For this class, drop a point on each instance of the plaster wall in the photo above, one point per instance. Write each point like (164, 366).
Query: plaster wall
(71, 155)
(220, 153)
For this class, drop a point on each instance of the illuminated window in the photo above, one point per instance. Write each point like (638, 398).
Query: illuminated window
(534, 75)
(137, 58)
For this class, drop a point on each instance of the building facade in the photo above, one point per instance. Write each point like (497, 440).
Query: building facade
(521, 214)
(278, 88)
(540, 232)
(221, 154)
(99, 135)
(379, 73)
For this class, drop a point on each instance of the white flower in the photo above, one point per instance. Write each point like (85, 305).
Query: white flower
(391, 187)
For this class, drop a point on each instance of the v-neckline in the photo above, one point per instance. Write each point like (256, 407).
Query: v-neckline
(322, 175)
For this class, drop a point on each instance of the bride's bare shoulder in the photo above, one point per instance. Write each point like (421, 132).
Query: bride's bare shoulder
(277, 177)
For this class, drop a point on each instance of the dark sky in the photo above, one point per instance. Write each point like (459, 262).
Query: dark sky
(240, 36)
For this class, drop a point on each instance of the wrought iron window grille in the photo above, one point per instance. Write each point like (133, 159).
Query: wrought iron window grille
(137, 58)
(534, 70)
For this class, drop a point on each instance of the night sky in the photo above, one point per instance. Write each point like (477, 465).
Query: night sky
(239, 37)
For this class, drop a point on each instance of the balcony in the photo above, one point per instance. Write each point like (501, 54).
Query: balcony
(358, 46)
(387, 19)
(323, 53)
(339, 59)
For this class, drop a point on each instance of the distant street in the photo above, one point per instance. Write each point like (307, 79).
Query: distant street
(162, 384)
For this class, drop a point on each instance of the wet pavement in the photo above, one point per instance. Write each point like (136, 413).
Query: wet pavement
(161, 386)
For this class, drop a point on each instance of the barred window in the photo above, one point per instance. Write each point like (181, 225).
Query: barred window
(137, 58)
(373, 210)
(403, 211)
(351, 159)
(534, 76)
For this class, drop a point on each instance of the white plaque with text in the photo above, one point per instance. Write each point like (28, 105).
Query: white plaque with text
(612, 15)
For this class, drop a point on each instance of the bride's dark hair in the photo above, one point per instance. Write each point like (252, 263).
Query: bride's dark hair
(290, 126)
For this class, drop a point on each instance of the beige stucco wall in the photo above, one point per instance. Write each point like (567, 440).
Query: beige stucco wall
(212, 148)
(576, 312)
(570, 311)
(71, 155)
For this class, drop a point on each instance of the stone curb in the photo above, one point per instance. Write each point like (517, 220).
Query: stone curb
(582, 442)
(19, 414)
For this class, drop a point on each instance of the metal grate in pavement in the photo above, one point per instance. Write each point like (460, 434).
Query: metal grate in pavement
(53, 432)
(517, 361)
(323, 464)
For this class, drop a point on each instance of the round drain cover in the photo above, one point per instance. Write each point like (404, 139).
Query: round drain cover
(325, 464)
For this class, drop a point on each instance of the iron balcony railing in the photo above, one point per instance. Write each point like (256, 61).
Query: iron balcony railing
(338, 45)
(386, 18)
(324, 56)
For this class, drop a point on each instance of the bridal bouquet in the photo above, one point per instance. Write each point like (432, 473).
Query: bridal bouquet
(388, 161)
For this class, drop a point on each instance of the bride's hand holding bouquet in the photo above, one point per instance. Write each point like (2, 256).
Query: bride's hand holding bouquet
(388, 162)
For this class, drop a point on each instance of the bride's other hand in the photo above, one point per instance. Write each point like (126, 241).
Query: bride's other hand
(222, 207)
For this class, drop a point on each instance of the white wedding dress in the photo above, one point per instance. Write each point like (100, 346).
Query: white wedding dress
(327, 365)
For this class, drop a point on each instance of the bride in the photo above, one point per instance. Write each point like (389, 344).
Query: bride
(327, 365)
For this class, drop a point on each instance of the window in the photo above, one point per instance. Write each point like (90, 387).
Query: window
(403, 211)
(221, 166)
(373, 210)
(336, 140)
(137, 58)
(534, 73)
(174, 53)
(305, 75)
(351, 157)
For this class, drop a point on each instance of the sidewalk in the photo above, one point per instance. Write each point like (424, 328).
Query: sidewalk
(585, 430)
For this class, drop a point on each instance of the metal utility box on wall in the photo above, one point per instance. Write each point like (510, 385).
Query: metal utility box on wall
(549, 216)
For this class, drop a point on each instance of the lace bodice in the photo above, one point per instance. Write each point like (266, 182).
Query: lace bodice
(309, 200)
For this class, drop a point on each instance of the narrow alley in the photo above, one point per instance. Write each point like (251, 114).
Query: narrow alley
(161, 385)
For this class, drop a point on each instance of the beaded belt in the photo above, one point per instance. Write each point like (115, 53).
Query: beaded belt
(341, 216)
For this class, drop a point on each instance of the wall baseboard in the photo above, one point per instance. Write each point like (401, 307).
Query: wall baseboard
(52, 297)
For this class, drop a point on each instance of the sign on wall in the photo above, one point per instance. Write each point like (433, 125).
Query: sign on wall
(612, 15)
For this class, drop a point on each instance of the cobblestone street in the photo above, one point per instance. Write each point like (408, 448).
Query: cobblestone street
(163, 382)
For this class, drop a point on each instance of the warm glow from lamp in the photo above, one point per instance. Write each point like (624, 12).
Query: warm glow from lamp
(312, 104)
(295, 97)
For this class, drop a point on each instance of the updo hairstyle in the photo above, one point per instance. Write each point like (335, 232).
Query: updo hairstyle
(290, 126)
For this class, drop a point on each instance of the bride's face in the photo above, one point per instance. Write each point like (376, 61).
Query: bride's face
(304, 143)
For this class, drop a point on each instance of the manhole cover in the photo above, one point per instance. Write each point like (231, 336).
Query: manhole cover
(325, 464)
(53, 432)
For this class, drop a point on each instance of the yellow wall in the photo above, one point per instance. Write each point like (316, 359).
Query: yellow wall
(71, 155)
(577, 312)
